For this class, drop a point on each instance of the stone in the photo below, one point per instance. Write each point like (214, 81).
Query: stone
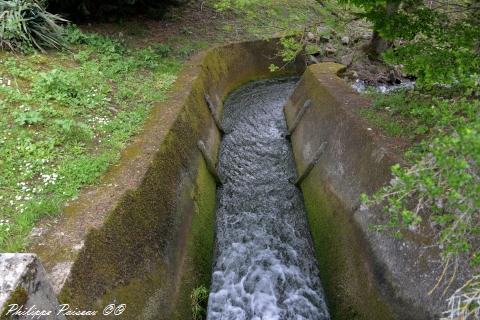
(329, 49)
(347, 59)
(310, 36)
(393, 77)
(351, 74)
(311, 59)
(24, 286)
(345, 40)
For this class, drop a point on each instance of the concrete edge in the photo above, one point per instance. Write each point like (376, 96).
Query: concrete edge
(357, 160)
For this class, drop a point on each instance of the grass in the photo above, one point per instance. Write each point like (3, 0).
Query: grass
(199, 301)
(414, 116)
(394, 126)
(65, 118)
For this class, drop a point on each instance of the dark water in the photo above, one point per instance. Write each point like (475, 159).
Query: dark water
(264, 265)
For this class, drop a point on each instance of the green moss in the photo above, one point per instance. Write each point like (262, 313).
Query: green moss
(18, 296)
(200, 243)
(348, 283)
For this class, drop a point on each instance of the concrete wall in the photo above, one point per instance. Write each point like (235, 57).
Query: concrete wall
(25, 288)
(366, 275)
(144, 237)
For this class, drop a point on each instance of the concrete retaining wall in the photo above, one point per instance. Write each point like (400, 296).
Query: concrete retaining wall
(366, 275)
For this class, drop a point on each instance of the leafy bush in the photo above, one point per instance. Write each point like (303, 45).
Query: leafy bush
(442, 187)
(25, 24)
(441, 52)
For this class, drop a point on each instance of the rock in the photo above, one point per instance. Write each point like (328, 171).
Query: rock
(310, 36)
(394, 77)
(312, 60)
(345, 40)
(324, 38)
(399, 71)
(347, 59)
(329, 49)
(351, 74)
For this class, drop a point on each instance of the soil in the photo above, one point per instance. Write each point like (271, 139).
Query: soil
(194, 21)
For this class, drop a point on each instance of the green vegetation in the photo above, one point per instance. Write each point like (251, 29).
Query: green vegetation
(274, 17)
(104, 9)
(199, 303)
(25, 25)
(442, 182)
(441, 186)
(392, 125)
(65, 118)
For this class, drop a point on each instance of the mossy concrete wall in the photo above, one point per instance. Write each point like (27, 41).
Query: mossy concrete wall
(145, 236)
(366, 275)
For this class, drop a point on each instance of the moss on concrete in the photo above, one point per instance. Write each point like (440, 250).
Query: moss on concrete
(349, 287)
(136, 253)
(18, 296)
(200, 243)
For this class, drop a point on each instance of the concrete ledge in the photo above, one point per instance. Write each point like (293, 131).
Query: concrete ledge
(366, 275)
(25, 289)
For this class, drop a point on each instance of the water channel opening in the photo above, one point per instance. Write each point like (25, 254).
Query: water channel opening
(264, 265)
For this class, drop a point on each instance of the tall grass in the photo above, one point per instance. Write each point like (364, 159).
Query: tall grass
(25, 24)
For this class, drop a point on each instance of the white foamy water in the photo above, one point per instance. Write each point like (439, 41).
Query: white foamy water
(265, 267)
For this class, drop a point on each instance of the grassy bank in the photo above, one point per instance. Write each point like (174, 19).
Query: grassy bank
(65, 118)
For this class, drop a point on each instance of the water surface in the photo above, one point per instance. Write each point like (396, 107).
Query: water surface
(264, 261)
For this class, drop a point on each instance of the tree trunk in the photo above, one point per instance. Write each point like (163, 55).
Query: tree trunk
(378, 45)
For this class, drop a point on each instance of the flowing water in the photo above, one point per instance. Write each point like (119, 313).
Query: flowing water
(265, 267)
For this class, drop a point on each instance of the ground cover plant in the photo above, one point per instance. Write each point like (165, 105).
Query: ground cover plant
(65, 118)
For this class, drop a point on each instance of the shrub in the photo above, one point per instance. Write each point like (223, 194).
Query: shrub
(442, 188)
(25, 25)
(443, 54)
